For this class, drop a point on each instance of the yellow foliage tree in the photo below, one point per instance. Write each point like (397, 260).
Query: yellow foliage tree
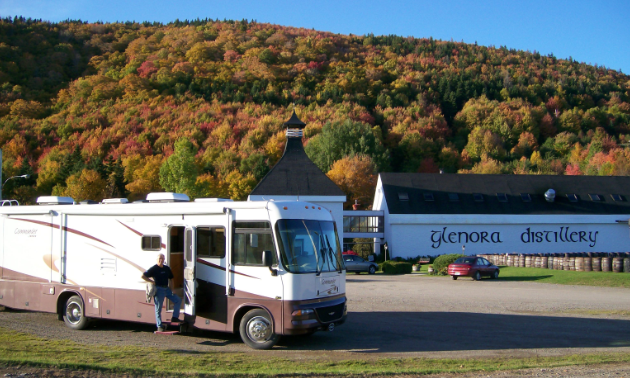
(355, 176)
(143, 174)
(86, 185)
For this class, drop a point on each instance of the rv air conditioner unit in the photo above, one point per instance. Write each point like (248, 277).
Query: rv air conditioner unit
(167, 197)
(54, 200)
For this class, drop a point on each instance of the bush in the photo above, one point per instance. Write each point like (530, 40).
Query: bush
(440, 265)
(395, 267)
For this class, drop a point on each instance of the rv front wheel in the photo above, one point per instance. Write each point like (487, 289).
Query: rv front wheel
(256, 330)
(73, 313)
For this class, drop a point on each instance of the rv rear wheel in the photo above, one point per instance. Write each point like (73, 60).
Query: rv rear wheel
(256, 330)
(73, 313)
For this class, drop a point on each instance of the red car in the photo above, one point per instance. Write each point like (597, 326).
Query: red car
(474, 267)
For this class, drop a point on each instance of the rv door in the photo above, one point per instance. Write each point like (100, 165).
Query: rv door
(190, 260)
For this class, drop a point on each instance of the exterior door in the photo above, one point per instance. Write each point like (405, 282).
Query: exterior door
(190, 260)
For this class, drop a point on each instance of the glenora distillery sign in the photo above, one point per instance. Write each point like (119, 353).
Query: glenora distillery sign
(521, 238)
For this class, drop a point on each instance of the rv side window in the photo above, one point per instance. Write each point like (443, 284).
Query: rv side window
(250, 240)
(151, 243)
(211, 242)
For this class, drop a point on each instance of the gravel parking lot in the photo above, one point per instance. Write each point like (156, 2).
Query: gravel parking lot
(413, 316)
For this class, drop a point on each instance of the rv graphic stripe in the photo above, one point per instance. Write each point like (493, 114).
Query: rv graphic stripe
(138, 232)
(73, 231)
(223, 269)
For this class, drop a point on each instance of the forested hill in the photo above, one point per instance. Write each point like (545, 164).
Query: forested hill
(95, 110)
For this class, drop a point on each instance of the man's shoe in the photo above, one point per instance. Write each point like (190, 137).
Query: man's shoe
(160, 329)
(176, 320)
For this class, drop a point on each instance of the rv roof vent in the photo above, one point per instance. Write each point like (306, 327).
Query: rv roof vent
(88, 202)
(110, 201)
(167, 197)
(214, 200)
(54, 200)
(550, 195)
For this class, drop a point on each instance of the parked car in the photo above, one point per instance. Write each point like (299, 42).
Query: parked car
(475, 267)
(358, 264)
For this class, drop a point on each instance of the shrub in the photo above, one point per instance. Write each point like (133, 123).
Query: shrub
(440, 265)
(395, 267)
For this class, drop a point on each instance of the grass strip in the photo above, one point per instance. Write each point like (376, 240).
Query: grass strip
(559, 277)
(565, 277)
(23, 349)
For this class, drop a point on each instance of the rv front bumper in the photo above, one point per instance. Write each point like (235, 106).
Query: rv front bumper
(304, 317)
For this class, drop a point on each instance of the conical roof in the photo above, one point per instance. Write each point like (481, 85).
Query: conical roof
(295, 174)
(294, 122)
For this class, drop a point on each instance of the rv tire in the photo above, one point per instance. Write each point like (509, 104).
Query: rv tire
(73, 314)
(256, 330)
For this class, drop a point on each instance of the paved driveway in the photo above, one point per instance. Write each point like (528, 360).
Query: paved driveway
(414, 316)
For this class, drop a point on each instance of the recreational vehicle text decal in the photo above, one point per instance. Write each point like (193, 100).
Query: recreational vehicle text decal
(563, 236)
(30, 232)
(462, 237)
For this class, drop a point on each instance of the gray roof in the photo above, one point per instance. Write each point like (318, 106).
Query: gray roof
(444, 187)
(296, 174)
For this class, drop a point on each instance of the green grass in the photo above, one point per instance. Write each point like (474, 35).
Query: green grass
(22, 349)
(565, 277)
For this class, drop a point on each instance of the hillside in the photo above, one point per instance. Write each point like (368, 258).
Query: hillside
(96, 110)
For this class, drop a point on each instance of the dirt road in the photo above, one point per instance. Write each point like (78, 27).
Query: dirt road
(414, 316)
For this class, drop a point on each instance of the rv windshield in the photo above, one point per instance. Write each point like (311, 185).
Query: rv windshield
(309, 246)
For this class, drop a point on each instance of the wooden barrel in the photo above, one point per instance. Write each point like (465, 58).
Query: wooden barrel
(617, 265)
(588, 264)
(565, 263)
(521, 261)
(606, 264)
(579, 263)
(597, 264)
(550, 262)
(508, 260)
(557, 260)
(528, 261)
(544, 262)
(626, 265)
(572, 263)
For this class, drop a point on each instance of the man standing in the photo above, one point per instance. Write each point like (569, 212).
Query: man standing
(161, 274)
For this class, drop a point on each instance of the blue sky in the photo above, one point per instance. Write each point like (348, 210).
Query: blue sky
(595, 32)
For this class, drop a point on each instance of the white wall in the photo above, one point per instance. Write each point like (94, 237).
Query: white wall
(417, 235)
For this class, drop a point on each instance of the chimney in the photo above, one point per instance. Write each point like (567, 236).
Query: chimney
(550, 195)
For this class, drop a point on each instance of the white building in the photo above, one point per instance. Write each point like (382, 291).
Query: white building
(433, 214)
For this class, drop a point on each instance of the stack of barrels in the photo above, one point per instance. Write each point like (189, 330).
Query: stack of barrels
(578, 261)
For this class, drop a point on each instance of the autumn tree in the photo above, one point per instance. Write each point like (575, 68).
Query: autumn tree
(356, 177)
(86, 185)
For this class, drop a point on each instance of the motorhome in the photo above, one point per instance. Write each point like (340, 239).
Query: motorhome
(259, 268)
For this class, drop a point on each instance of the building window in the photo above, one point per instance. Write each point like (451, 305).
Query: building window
(617, 197)
(478, 197)
(151, 243)
(526, 197)
(572, 197)
(403, 196)
(453, 197)
(428, 197)
(595, 197)
(211, 242)
(362, 224)
(502, 197)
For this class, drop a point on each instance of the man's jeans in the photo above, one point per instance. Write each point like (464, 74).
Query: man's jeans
(165, 292)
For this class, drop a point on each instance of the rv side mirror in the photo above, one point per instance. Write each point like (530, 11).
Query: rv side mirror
(267, 258)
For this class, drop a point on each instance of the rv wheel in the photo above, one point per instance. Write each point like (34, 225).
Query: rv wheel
(73, 313)
(256, 330)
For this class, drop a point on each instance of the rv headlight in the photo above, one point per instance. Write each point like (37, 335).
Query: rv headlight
(308, 311)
